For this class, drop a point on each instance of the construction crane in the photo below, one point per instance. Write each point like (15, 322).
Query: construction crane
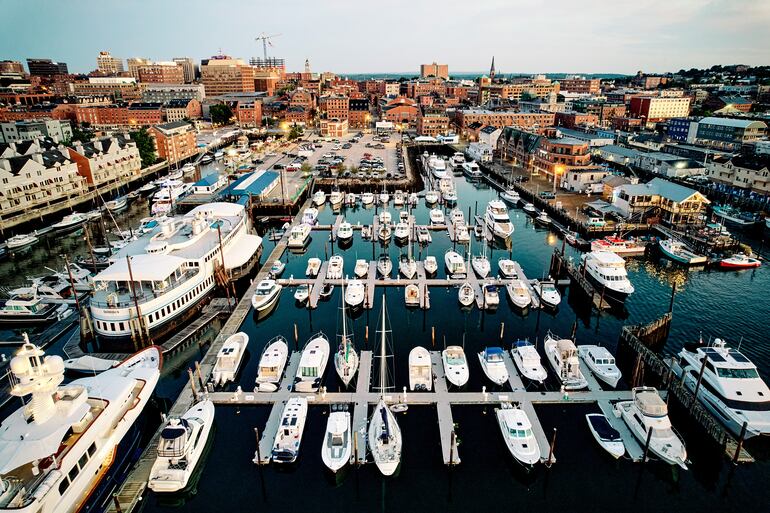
(266, 40)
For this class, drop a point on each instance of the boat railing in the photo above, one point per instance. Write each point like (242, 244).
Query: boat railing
(142, 296)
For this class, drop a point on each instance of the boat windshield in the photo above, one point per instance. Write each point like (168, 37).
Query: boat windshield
(724, 372)
(520, 433)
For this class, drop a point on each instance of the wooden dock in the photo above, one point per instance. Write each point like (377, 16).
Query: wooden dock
(446, 425)
(361, 407)
(517, 386)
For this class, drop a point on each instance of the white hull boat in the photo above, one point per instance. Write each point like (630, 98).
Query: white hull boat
(562, 355)
(507, 267)
(605, 435)
(338, 441)
(455, 264)
(302, 293)
(312, 365)
(519, 294)
(334, 271)
(601, 362)
(313, 267)
(516, 429)
(362, 268)
(266, 295)
(289, 436)
(431, 265)
(229, 358)
(420, 370)
(384, 266)
(493, 365)
(455, 365)
(481, 266)
(271, 365)
(412, 295)
(466, 295)
(354, 293)
(527, 360)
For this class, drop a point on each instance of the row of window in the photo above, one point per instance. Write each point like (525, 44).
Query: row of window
(75, 470)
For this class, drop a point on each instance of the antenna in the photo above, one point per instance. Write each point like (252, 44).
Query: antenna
(266, 39)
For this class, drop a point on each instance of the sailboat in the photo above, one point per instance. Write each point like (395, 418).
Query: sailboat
(346, 358)
(384, 432)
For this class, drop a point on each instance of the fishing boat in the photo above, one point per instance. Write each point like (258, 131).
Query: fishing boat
(527, 360)
(510, 196)
(335, 268)
(271, 364)
(607, 271)
(407, 266)
(116, 205)
(431, 265)
(277, 269)
(303, 292)
(423, 235)
(384, 432)
(739, 261)
(431, 197)
(384, 265)
(19, 242)
(420, 370)
(336, 198)
(345, 232)
(266, 295)
(290, 430)
(346, 357)
(70, 222)
(518, 293)
(337, 447)
(180, 447)
(454, 263)
(605, 435)
(562, 355)
(312, 364)
(229, 358)
(491, 295)
(310, 216)
(313, 267)
(516, 429)
(735, 216)
(299, 236)
(679, 252)
(436, 217)
(466, 295)
(362, 268)
(493, 365)
(548, 293)
(529, 208)
(319, 198)
(481, 265)
(623, 247)
(647, 413)
(412, 295)
(507, 267)
(355, 293)
(455, 365)
(601, 362)
(367, 199)
(497, 221)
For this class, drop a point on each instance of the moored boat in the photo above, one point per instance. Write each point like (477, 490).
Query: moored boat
(271, 364)
(493, 365)
(455, 365)
(420, 370)
(527, 360)
(229, 358)
(516, 429)
(605, 435)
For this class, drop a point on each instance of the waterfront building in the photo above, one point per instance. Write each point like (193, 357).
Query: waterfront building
(334, 106)
(745, 171)
(432, 121)
(257, 185)
(16, 131)
(673, 204)
(174, 141)
(144, 114)
(105, 160)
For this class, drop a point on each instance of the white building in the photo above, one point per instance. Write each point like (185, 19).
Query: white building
(106, 63)
(479, 152)
(489, 135)
(106, 160)
(15, 131)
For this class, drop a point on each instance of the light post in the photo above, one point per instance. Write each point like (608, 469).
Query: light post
(557, 170)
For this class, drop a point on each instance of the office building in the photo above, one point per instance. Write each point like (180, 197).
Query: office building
(46, 67)
(108, 64)
(434, 70)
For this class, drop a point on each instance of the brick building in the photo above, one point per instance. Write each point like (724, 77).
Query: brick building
(580, 85)
(334, 128)
(432, 121)
(221, 75)
(654, 108)
(434, 70)
(107, 159)
(576, 119)
(175, 141)
(161, 73)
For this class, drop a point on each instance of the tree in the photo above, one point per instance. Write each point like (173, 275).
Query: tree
(306, 168)
(221, 114)
(296, 131)
(82, 133)
(145, 145)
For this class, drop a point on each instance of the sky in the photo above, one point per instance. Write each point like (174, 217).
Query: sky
(396, 36)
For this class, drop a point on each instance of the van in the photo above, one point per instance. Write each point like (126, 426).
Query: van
(596, 222)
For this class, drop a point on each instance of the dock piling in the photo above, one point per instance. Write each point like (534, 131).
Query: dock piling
(550, 461)
(647, 445)
(259, 456)
(741, 438)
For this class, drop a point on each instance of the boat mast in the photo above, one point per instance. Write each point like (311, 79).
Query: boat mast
(344, 324)
(383, 364)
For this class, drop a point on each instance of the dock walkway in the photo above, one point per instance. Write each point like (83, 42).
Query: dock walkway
(263, 455)
(517, 386)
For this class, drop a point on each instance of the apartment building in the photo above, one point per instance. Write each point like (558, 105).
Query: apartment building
(576, 119)
(434, 70)
(119, 88)
(580, 85)
(30, 130)
(162, 93)
(144, 114)
(168, 72)
(175, 141)
(744, 171)
(504, 118)
(222, 75)
(358, 113)
(334, 128)
(652, 109)
(533, 88)
(108, 64)
(188, 68)
(134, 63)
(335, 107)
(248, 112)
(182, 109)
(113, 159)
(432, 121)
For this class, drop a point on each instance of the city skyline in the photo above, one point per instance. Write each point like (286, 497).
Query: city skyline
(650, 35)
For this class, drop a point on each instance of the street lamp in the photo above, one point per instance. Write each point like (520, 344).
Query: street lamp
(557, 170)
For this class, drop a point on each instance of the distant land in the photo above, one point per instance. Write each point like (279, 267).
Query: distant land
(476, 74)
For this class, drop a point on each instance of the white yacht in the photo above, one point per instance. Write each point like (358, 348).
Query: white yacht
(493, 365)
(420, 370)
(319, 198)
(271, 365)
(313, 267)
(399, 198)
(334, 270)
(562, 355)
(731, 387)
(70, 222)
(518, 293)
(181, 445)
(266, 295)
(354, 293)
(507, 268)
(385, 232)
(385, 217)
(367, 199)
(454, 263)
(455, 365)
(423, 235)
(346, 358)
(384, 265)
(647, 413)
(516, 429)
(496, 219)
(607, 271)
(362, 268)
(299, 235)
(527, 360)
(312, 364)
(605, 435)
(458, 159)
(511, 196)
(601, 362)
(481, 265)
(116, 205)
(407, 266)
(302, 293)
(437, 167)
(431, 265)
(471, 170)
(431, 197)
(277, 269)
(412, 295)
(165, 199)
(384, 197)
(466, 295)
(173, 271)
(18, 242)
(310, 216)
(436, 216)
(337, 448)
(60, 446)
(229, 358)
(345, 232)
(336, 198)
(529, 208)
(289, 436)
(29, 309)
(543, 218)
(548, 293)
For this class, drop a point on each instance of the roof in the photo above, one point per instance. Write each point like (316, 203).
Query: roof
(755, 163)
(144, 267)
(661, 187)
(173, 125)
(620, 150)
(252, 183)
(735, 100)
(737, 123)
(207, 180)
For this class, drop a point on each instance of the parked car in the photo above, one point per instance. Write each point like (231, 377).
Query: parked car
(547, 195)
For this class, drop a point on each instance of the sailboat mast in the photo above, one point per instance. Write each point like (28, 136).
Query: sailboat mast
(344, 323)
(383, 364)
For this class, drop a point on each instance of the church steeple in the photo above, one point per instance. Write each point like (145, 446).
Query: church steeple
(492, 69)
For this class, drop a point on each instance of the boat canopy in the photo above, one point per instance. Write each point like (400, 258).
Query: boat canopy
(650, 403)
(603, 428)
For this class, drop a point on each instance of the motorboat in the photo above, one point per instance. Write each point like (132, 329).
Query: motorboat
(70, 222)
(367, 199)
(516, 429)
(29, 309)
(739, 261)
(266, 295)
(366, 232)
(462, 235)
(219, 155)
(510, 196)
(647, 413)
(312, 364)
(334, 271)
(384, 265)
(466, 295)
(507, 268)
(407, 266)
(310, 216)
(399, 198)
(529, 208)
(319, 198)
(384, 232)
(180, 447)
(731, 387)
(355, 291)
(455, 365)
(454, 263)
(116, 205)
(277, 269)
(188, 169)
(472, 170)
(436, 217)
(548, 293)
(385, 217)
(423, 235)
(362, 268)
(313, 267)
(292, 426)
(414, 199)
(497, 221)
(326, 291)
(337, 447)
(147, 188)
(437, 167)
(431, 265)
(88, 365)
(229, 358)
(607, 271)
(18, 242)
(207, 159)
(303, 292)
(518, 293)
(271, 364)
(431, 197)
(401, 232)
(384, 197)
(527, 360)
(481, 265)
(171, 190)
(543, 218)
(412, 295)
(420, 370)
(493, 364)
(458, 159)
(563, 357)
(456, 216)
(447, 189)
(351, 199)
(735, 216)
(679, 252)
(346, 358)
(345, 232)
(605, 435)
(299, 236)
(491, 295)
(619, 245)
(336, 198)
(601, 362)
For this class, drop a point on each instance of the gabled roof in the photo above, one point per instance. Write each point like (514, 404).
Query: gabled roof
(753, 163)
(516, 136)
(664, 188)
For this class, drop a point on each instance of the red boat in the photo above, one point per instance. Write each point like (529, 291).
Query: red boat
(739, 261)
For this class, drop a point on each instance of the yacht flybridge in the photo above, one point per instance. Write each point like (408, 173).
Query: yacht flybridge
(172, 267)
(57, 448)
(497, 220)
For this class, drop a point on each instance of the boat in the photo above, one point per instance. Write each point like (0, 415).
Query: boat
(420, 370)
(229, 358)
(116, 205)
(362, 268)
(456, 216)
(319, 198)
(171, 191)
(480, 265)
(431, 265)
(511, 196)
(345, 232)
(605, 435)
(601, 362)
(735, 216)
(507, 267)
(739, 261)
(299, 236)
(730, 388)
(350, 199)
(455, 365)
(326, 291)
(458, 159)
(607, 271)
(60, 451)
(384, 265)
(623, 247)
(277, 269)
(336, 198)
(647, 413)
(543, 218)
(529, 208)
(423, 235)
(491, 295)
(462, 235)
(219, 155)
(562, 355)
(466, 295)
(188, 169)
(303, 292)
(679, 252)
(403, 216)
(70, 222)
(384, 197)
(384, 432)
(448, 192)
(355, 293)
(412, 295)
(454, 263)
(346, 358)
(516, 429)
(180, 447)
(527, 360)
(518, 293)
(407, 266)
(401, 233)
(366, 232)
(266, 295)
(312, 364)
(18, 242)
(313, 267)
(335, 268)
(271, 364)
(493, 364)
(384, 232)
(385, 217)
(28, 309)
(88, 365)
(147, 188)
(310, 216)
(547, 292)
(414, 199)
(337, 448)
(292, 426)
(437, 167)
(399, 198)
(472, 170)
(436, 217)
(207, 159)
(431, 197)
(367, 199)
(497, 221)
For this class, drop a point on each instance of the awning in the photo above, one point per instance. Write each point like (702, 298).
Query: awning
(242, 251)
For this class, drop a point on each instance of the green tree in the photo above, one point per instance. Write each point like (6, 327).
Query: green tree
(296, 131)
(82, 133)
(146, 146)
(221, 114)
(306, 168)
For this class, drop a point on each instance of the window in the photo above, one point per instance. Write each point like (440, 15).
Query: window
(73, 473)
(63, 486)
(82, 461)
(91, 449)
